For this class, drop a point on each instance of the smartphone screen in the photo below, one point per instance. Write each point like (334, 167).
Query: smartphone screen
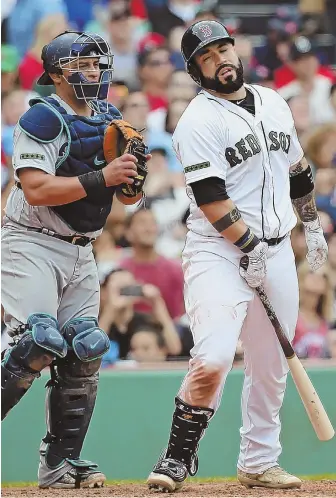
(131, 290)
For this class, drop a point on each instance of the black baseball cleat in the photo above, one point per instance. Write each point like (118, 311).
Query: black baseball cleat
(169, 474)
(74, 479)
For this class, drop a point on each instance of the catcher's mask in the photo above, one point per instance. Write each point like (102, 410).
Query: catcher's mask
(67, 52)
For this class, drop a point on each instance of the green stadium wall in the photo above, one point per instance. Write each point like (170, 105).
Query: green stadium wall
(132, 418)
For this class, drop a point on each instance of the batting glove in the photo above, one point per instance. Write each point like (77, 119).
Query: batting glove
(253, 266)
(317, 246)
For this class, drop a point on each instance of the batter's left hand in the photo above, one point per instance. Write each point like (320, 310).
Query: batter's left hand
(317, 246)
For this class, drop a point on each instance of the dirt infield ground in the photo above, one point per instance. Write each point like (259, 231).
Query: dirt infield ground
(325, 488)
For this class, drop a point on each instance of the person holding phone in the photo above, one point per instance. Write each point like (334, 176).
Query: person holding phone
(119, 293)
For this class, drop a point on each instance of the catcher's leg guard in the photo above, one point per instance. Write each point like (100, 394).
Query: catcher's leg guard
(38, 347)
(71, 398)
(180, 458)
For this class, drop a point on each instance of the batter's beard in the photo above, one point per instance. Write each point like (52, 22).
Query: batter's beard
(230, 86)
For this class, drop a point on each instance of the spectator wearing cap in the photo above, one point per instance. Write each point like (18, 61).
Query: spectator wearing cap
(155, 69)
(173, 13)
(9, 68)
(309, 79)
(25, 18)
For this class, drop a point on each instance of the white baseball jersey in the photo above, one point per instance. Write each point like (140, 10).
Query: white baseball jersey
(216, 138)
(29, 153)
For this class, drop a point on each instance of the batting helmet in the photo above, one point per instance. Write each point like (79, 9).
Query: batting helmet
(75, 46)
(198, 36)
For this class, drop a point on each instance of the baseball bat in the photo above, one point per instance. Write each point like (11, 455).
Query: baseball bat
(312, 403)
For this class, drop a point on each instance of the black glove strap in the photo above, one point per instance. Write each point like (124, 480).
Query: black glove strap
(93, 182)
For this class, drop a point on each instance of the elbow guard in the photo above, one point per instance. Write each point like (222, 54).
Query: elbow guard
(301, 184)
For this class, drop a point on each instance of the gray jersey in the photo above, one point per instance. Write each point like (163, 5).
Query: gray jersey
(29, 153)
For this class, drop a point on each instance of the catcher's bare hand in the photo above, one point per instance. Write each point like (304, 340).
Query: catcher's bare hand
(121, 170)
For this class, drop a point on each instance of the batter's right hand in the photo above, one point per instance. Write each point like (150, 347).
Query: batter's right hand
(253, 266)
(121, 170)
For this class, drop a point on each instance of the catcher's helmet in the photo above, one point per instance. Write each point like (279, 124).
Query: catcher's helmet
(73, 46)
(198, 36)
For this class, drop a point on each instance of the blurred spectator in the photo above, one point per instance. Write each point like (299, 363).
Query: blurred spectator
(13, 106)
(25, 17)
(167, 198)
(119, 293)
(173, 13)
(325, 188)
(155, 70)
(261, 75)
(315, 312)
(244, 50)
(106, 252)
(174, 45)
(147, 344)
(326, 223)
(123, 43)
(331, 343)
(309, 81)
(31, 67)
(332, 260)
(321, 146)
(9, 68)
(274, 53)
(136, 109)
(148, 266)
(333, 98)
(299, 105)
(181, 87)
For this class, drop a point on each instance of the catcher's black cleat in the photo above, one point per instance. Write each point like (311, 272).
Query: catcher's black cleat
(76, 479)
(168, 475)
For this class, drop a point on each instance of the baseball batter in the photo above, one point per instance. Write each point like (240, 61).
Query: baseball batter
(50, 289)
(244, 170)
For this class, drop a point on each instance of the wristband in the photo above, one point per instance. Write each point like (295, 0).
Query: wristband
(247, 242)
(93, 182)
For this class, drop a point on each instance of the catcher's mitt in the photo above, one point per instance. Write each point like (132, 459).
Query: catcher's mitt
(121, 138)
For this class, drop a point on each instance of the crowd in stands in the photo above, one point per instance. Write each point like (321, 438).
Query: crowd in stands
(290, 48)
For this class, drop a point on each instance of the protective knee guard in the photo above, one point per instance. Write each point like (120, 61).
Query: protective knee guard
(72, 391)
(38, 347)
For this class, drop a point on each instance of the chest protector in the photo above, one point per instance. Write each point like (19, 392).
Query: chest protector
(82, 153)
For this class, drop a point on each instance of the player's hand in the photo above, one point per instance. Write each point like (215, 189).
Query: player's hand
(121, 170)
(253, 266)
(317, 246)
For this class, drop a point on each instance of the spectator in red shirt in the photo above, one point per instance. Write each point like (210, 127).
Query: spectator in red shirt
(315, 312)
(155, 70)
(149, 267)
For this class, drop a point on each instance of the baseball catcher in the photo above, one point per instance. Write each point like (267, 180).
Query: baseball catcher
(73, 153)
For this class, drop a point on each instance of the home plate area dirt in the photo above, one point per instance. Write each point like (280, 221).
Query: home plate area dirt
(325, 488)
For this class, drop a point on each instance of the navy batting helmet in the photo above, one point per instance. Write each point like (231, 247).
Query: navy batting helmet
(198, 36)
(72, 46)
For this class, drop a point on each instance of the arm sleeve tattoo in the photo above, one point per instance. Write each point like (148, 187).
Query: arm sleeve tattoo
(306, 207)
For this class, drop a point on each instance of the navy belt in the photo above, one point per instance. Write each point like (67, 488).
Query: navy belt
(275, 241)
